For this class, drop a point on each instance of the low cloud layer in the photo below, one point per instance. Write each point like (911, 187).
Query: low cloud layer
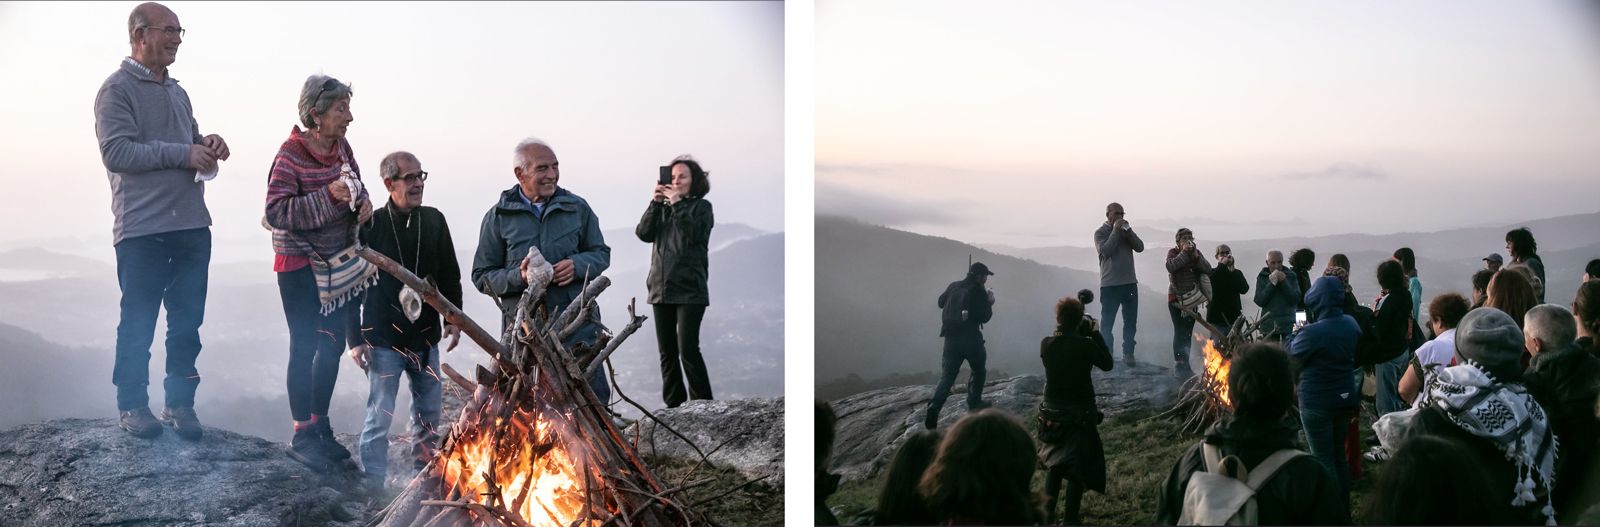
(1341, 171)
(881, 209)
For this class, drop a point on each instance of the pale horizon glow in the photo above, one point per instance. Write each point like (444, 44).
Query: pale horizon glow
(616, 88)
(1017, 122)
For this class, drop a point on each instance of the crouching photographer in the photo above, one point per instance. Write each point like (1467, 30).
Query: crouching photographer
(1070, 450)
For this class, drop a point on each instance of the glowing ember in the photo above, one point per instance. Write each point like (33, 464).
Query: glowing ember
(535, 474)
(1217, 371)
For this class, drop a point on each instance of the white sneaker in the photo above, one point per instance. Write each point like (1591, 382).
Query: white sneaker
(1376, 454)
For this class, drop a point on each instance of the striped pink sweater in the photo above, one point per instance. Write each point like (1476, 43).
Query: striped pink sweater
(300, 209)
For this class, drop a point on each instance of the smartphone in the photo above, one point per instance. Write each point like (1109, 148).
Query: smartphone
(1299, 319)
(666, 176)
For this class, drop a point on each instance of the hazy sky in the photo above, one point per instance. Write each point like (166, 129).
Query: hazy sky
(617, 88)
(1017, 122)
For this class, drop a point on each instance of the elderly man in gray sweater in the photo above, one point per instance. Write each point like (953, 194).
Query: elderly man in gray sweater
(156, 161)
(1115, 242)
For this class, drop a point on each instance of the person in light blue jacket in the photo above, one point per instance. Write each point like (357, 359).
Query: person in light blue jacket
(1408, 261)
(538, 213)
(1277, 294)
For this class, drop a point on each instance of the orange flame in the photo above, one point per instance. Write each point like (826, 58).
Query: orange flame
(1217, 371)
(534, 471)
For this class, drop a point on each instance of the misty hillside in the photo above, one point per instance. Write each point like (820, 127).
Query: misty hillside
(877, 291)
(62, 332)
(1445, 259)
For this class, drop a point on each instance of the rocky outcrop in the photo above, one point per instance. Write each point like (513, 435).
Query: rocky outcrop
(872, 425)
(744, 434)
(90, 472)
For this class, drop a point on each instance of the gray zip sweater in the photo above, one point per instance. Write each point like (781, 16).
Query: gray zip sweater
(145, 128)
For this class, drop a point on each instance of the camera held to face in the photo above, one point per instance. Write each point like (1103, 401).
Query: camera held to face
(1089, 325)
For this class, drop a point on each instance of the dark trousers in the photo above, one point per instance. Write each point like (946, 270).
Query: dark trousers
(316, 343)
(1125, 297)
(958, 349)
(170, 269)
(1072, 506)
(678, 340)
(1182, 335)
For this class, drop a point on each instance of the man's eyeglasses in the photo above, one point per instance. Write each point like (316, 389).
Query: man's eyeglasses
(418, 177)
(169, 30)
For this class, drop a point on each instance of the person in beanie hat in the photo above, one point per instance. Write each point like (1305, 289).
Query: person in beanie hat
(966, 306)
(1483, 402)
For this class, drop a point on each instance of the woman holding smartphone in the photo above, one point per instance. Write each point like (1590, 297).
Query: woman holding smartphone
(678, 223)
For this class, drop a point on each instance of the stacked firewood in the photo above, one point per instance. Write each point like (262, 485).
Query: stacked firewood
(534, 446)
(1202, 400)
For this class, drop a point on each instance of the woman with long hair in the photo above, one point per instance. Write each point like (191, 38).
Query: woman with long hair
(1408, 262)
(1069, 440)
(1395, 324)
(1408, 490)
(1524, 251)
(1586, 308)
(1511, 291)
(899, 503)
(678, 224)
(981, 473)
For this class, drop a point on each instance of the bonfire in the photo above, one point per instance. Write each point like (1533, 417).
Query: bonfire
(1203, 399)
(534, 446)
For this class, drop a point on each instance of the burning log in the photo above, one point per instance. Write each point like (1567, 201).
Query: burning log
(1203, 399)
(534, 446)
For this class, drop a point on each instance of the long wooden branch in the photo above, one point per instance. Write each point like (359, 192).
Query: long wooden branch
(611, 347)
(431, 295)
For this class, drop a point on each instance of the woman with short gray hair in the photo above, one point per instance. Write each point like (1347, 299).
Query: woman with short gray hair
(315, 202)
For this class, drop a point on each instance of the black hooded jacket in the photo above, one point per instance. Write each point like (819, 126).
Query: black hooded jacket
(1300, 493)
(681, 238)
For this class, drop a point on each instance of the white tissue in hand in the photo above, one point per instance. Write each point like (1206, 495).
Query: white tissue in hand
(201, 175)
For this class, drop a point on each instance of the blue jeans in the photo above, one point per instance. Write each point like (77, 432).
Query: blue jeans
(1388, 375)
(171, 269)
(1126, 298)
(1182, 335)
(1325, 434)
(384, 367)
(960, 349)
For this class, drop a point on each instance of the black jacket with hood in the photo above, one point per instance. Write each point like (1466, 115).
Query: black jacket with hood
(1300, 493)
(680, 235)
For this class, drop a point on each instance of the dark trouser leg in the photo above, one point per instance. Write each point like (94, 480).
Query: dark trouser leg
(143, 272)
(694, 364)
(1052, 492)
(949, 366)
(330, 349)
(977, 358)
(1108, 315)
(300, 309)
(1073, 504)
(1130, 313)
(672, 391)
(186, 310)
(1182, 335)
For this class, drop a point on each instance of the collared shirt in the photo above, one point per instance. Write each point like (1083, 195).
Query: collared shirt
(538, 206)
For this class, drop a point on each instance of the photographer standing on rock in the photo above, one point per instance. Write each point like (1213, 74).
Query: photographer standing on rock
(1115, 242)
(966, 306)
(1069, 442)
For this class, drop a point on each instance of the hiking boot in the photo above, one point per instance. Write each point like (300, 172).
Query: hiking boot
(307, 448)
(931, 421)
(1181, 370)
(140, 423)
(332, 448)
(1377, 454)
(1129, 361)
(183, 421)
(981, 405)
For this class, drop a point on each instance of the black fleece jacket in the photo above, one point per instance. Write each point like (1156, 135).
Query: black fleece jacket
(396, 234)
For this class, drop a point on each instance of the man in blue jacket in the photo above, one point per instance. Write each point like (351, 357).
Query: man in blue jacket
(538, 213)
(1325, 352)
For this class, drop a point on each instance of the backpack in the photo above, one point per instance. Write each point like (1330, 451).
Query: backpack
(1214, 497)
(954, 302)
(1368, 347)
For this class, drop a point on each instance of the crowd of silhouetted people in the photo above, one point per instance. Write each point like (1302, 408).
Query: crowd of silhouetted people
(1486, 409)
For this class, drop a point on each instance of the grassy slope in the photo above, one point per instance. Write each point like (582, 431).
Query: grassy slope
(1139, 454)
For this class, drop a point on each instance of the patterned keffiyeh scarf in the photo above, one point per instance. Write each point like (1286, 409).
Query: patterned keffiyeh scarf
(1502, 413)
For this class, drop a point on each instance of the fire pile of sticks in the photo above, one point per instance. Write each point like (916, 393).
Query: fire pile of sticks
(1203, 399)
(533, 446)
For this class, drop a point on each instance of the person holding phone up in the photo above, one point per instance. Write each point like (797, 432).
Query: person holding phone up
(678, 224)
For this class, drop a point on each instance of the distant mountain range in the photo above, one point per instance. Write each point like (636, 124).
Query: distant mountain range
(60, 329)
(877, 291)
(876, 287)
